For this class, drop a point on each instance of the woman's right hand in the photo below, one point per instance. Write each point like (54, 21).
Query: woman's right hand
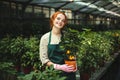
(64, 67)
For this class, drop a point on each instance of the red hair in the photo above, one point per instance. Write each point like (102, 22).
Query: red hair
(55, 15)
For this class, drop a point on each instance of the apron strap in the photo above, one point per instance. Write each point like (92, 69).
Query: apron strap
(49, 38)
(51, 34)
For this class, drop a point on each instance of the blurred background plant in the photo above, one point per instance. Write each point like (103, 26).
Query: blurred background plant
(48, 74)
(94, 51)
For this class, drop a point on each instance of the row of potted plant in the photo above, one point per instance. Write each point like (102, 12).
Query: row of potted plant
(22, 52)
(90, 49)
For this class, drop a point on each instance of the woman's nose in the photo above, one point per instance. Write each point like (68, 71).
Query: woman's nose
(60, 20)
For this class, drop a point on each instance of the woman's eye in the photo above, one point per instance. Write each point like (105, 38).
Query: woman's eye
(58, 18)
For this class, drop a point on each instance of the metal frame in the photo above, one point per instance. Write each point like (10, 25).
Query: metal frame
(70, 4)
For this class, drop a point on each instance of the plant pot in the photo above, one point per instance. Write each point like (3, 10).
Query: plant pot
(26, 70)
(84, 76)
(17, 68)
(92, 69)
(101, 63)
(71, 63)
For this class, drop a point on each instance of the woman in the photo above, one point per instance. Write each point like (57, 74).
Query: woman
(50, 54)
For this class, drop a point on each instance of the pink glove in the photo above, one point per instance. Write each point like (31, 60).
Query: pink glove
(64, 67)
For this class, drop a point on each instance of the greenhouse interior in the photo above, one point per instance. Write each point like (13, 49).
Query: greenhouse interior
(92, 34)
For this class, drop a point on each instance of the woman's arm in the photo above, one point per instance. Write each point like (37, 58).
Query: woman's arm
(43, 49)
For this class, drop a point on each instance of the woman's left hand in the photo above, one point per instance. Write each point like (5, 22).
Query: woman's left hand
(75, 69)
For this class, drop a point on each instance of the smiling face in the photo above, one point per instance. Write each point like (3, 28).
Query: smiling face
(59, 21)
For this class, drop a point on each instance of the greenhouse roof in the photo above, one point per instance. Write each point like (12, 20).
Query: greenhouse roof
(95, 7)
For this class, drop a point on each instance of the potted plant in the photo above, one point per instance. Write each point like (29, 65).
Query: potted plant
(70, 59)
(69, 44)
(5, 48)
(116, 40)
(30, 55)
(16, 50)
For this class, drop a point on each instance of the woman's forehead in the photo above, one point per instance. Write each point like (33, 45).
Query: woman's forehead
(61, 16)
